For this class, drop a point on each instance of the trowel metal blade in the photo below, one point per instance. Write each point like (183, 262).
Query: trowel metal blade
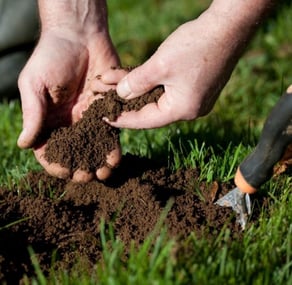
(239, 202)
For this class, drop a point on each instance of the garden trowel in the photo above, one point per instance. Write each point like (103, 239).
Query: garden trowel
(257, 168)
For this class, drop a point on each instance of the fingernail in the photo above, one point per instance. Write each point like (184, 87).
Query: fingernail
(123, 88)
(22, 138)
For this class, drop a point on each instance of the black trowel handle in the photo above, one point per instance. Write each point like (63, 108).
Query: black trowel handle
(257, 168)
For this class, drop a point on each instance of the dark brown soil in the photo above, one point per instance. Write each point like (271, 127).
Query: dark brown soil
(61, 216)
(60, 220)
(86, 143)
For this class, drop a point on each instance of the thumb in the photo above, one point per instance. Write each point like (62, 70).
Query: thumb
(137, 82)
(32, 114)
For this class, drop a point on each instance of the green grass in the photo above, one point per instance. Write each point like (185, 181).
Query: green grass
(14, 163)
(216, 144)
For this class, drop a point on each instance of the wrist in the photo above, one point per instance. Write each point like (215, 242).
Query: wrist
(85, 19)
(243, 15)
(233, 23)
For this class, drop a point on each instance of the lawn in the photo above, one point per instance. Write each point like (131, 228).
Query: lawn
(216, 144)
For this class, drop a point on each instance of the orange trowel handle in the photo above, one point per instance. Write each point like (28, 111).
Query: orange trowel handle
(257, 168)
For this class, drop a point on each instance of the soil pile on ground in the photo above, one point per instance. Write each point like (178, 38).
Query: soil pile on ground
(60, 220)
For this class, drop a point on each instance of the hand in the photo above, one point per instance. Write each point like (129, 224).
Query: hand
(54, 87)
(192, 69)
(193, 64)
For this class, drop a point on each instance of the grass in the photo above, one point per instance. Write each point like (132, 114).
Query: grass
(13, 163)
(216, 144)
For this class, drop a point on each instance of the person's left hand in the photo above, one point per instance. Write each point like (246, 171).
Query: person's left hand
(55, 90)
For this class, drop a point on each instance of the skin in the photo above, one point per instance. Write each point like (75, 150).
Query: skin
(193, 64)
(74, 47)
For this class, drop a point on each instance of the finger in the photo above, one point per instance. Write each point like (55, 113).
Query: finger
(152, 115)
(113, 76)
(92, 98)
(113, 159)
(97, 86)
(139, 81)
(54, 169)
(103, 173)
(108, 80)
(289, 89)
(33, 112)
(81, 176)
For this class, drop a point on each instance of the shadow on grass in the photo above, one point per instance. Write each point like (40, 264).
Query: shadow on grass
(214, 133)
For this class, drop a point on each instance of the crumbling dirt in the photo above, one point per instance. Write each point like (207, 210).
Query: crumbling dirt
(63, 217)
(60, 220)
(86, 143)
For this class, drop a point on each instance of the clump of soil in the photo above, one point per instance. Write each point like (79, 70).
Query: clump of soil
(86, 143)
(60, 220)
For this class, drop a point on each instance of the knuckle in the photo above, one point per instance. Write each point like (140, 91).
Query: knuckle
(188, 112)
(162, 67)
(21, 79)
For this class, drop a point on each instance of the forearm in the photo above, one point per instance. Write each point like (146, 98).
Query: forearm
(246, 11)
(86, 17)
(240, 18)
(222, 33)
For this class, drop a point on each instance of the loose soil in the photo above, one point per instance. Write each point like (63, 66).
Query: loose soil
(60, 220)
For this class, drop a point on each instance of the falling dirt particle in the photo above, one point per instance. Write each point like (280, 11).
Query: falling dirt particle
(214, 191)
